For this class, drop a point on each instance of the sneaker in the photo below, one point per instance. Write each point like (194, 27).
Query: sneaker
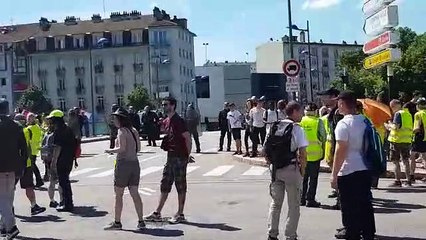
(303, 202)
(341, 234)
(333, 194)
(220, 150)
(235, 153)
(396, 184)
(408, 183)
(198, 151)
(113, 226)
(153, 217)
(65, 208)
(141, 225)
(12, 233)
(37, 210)
(39, 184)
(313, 204)
(53, 204)
(272, 238)
(177, 219)
(246, 154)
(3, 232)
(228, 150)
(412, 178)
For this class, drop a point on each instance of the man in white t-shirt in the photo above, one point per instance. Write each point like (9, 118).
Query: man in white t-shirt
(350, 175)
(235, 122)
(270, 116)
(288, 179)
(281, 109)
(259, 130)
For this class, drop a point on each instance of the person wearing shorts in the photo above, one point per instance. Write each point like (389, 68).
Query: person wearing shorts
(419, 143)
(127, 169)
(235, 122)
(177, 143)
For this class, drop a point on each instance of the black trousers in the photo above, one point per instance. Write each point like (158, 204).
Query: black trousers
(35, 169)
(247, 136)
(65, 184)
(194, 134)
(224, 132)
(357, 208)
(258, 136)
(112, 142)
(310, 180)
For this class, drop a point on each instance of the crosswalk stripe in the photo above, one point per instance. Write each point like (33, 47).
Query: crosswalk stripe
(150, 158)
(144, 193)
(150, 170)
(219, 171)
(148, 190)
(255, 171)
(191, 169)
(82, 171)
(103, 174)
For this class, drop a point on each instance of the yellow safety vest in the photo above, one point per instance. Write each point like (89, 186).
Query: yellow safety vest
(405, 133)
(315, 148)
(28, 140)
(419, 118)
(36, 139)
(327, 148)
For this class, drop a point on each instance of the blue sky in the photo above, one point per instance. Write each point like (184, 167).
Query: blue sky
(231, 27)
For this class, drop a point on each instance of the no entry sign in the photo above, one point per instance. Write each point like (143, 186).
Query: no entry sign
(291, 68)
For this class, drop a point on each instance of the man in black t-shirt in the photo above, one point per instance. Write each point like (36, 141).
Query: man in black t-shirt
(224, 127)
(63, 157)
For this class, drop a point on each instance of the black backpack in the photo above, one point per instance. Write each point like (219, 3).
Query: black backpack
(278, 148)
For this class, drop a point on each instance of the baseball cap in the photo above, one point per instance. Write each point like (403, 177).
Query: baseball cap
(56, 114)
(348, 96)
(121, 112)
(330, 92)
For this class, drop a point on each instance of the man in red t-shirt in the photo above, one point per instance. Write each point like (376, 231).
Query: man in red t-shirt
(177, 143)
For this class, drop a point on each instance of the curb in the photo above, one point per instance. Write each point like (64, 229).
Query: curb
(96, 139)
(420, 173)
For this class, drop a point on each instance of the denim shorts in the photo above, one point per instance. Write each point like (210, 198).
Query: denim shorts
(174, 172)
(127, 174)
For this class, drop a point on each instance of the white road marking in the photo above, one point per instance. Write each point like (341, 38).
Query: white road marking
(148, 190)
(103, 174)
(255, 171)
(82, 171)
(150, 158)
(144, 193)
(219, 171)
(191, 169)
(150, 170)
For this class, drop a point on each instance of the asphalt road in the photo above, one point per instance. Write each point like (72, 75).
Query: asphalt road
(226, 200)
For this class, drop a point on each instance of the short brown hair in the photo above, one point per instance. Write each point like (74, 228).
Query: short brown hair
(292, 107)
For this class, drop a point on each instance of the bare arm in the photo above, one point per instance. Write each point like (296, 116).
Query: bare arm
(188, 141)
(303, 159)
(55, 155)
(339, 156)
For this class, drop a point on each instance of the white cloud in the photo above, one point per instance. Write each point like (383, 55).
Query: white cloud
(318, 4)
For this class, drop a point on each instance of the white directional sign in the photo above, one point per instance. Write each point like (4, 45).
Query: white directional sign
(371, 7)
(292, 84)
(382, 21)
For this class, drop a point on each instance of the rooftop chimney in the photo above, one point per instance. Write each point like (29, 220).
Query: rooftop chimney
(70, 20)
(96, 18)
(44, 24)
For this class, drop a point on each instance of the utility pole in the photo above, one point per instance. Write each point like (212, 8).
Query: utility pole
(290, 33)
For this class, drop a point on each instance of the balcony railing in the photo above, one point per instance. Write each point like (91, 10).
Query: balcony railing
(99, 68)
(61, 92)
(118, 68)
(119, 88)
(60, 71)
(138, 67)
(80, 90)
(100, 89)
(79, 71)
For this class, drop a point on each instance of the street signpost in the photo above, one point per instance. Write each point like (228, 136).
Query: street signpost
(292, 84)
(382, 21)
(383, 57)
(371, 7)
(291, 68)
(381, 42)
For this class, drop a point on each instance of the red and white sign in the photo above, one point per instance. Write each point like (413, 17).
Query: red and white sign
(291, 68)
(381, 42)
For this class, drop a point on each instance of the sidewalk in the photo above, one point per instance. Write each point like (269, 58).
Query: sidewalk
(260, 161)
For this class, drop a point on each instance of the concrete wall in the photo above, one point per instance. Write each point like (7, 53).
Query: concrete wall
(6, 73)
(269, 58)
(237, 84)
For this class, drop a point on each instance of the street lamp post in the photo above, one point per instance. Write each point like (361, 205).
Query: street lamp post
(206, 45)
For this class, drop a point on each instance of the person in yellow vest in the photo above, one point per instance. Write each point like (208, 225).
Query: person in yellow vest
(35, 141)
(400, 138)
(419, 141)
(316, 135)
(26, 180)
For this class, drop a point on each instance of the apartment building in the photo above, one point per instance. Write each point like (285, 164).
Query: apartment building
(100, 61)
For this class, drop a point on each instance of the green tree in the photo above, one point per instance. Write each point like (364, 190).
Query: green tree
(139, 98)
(407, 37)
(34, 101)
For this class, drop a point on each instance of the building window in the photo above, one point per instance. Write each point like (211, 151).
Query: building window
(203, 87)
(3, 81)
(192, 73)
(120, 100)
(81, 103)
(118, 79)
(60, 44)
(117, 38)
(79, 62)
(4, 96)
(43, 84)
(180, 52)
(162, 37)
(314, 51)
(183, 53)
(190, 56)
(61, 83)
(100, 100)
(325, 52)
(62, 104)
(137, 36)
(184, 70)
(180, 69)
(138, 57)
